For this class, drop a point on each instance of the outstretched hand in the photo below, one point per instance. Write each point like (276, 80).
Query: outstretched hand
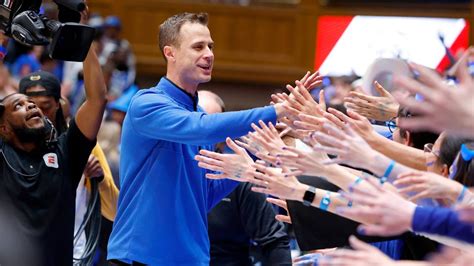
(381, 108)
(282, 204)
(384, 212)
(445, 107)
(278, 182)
(237, 166)
(360, 254)
(421, 185)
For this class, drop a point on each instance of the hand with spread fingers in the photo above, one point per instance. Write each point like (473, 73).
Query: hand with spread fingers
(360, 124)
(346, 144)
(304, 101)
(311, 81)
(237, 166)
(282, 204)
(428, 185)
(265, 141)
(309, 163)
(281, 184)
(384, 212)
(250, 145)
(444, 107)
(360, 254)
(380, 108)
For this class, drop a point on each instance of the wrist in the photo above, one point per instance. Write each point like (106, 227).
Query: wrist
(279, 110)
(299, 192)
(454, 190)
(409, 213)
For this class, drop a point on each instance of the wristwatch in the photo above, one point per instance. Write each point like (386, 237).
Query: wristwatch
(309, 196)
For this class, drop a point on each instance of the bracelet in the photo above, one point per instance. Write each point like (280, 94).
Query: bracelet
(389, 168)
(461, 195)
(355, 183)
(325, 201)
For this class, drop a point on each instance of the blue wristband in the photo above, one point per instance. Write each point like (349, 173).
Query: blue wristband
(325, 201)
(389, 169)
(355, 183)
(461, 195)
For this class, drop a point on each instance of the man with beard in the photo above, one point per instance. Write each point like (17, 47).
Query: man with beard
(40, 171)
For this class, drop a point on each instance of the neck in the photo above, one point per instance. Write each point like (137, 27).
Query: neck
(188, 87)
(24, 146)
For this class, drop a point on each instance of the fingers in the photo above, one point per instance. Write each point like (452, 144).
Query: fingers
(305, 77)
(381, 90)
(278, 202)
(359, 103)
(404, 180)
(296, 93)
(462, 72)
(211, 167)
(415, 87)
(360, 245)
(418, 196)
(216, 176)
(213, 155)
(339, 115)
(283, 218)
(322, 100)
(428, 77)
(333, 119)
(208, 160)
(233, 146)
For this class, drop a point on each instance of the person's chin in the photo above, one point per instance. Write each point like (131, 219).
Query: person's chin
(205, 78)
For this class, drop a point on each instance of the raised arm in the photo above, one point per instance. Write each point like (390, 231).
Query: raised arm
(89, 116)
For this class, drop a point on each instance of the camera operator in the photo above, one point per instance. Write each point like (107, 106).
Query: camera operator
(40, 172)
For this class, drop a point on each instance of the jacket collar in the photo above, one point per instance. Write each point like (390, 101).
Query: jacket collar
(178, 94)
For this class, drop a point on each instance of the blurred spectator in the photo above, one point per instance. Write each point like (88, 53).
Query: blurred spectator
(28, 62)
(117, 55)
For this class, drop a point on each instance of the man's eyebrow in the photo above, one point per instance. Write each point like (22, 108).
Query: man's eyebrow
(16, 101)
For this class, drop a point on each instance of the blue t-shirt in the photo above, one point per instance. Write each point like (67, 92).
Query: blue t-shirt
(164, 197)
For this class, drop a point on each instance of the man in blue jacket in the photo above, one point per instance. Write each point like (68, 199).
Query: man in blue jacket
(165, 197)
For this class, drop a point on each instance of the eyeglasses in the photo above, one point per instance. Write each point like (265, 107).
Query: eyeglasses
(392, 125)
(428, 148)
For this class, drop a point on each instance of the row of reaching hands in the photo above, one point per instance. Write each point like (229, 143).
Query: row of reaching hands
(383, 209)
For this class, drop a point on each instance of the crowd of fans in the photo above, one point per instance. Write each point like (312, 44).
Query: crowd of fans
(394, 169)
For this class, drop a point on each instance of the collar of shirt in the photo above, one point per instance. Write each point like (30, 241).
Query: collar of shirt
(178, 94)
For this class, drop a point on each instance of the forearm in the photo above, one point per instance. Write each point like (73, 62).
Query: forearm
(382, 166)
(94, 82)
(335, 201)
(158, 118)
(406, 155)
(342, 176)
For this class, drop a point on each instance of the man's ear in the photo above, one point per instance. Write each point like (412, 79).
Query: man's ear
(168, 51)
(445, 170)
(4, 130)
(407, 139)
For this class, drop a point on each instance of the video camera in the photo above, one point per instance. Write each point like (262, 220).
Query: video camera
(67, 39)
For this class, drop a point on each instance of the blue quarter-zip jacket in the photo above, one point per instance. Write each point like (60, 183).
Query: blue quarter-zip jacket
(164, 196)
